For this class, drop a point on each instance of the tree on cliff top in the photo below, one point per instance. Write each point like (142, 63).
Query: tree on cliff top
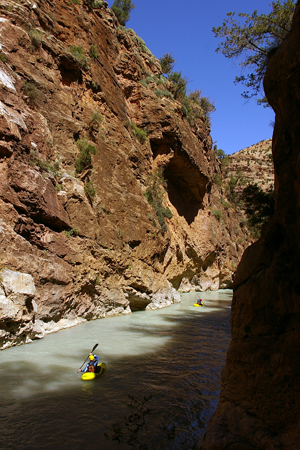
(122, 9)
(167, 63)
(255, 38)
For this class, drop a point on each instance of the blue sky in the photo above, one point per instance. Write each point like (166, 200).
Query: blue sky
(185, 30)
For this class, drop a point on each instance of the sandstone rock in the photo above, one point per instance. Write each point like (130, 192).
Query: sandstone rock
(164, 297)
(17, 283)
(38, 194)
(9, 310)
(16, 308)
(255, 163)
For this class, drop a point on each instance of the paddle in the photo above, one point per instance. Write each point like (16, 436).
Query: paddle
(95, 346)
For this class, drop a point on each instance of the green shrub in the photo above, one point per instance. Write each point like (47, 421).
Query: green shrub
(72, 232)
(217, 213)
(96, 120)
(220, 154)
(43, 165)
(31, 91)
(122, 9)
(225, 204)
(79, 55)
(232, 194)
(96, 117)
(75, 2)
(225, 162)
(167, 63)
(186, 106)
(204, 103)
(96, 4)
(179, 84)
(3, 58)
(161, 80)
(142, 45)
(144, 83)
(140, 134)
(89, 189)
(84, 160)
(93, 51)
(163, 93)
(155, 79)
(95, 86)
(36, 37)
(243, 223)
(218, 179)
(154, 194)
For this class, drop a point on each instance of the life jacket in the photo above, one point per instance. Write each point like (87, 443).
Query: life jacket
(91, 368)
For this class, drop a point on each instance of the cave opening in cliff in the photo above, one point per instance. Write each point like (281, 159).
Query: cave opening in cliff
(186, 185)
(70, 71)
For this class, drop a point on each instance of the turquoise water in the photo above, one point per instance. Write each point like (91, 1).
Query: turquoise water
(174, 355)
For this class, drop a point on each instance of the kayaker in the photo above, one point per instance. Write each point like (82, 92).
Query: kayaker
(200, 302)
(91, 365)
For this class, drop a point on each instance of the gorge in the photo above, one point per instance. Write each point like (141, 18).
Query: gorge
(108, 200)
(111, 203)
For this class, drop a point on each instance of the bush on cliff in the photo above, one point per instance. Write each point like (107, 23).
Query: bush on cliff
(167, 63)
(93, 51)
(84, 160)
(31, 92)
(90, 191)
(200, 107)
(36, 37)
(140, 134)
(179, 83)
(79, 55)
(96, 4)
(154, 194)
(163, 93)
(194, 105)
(122, 10)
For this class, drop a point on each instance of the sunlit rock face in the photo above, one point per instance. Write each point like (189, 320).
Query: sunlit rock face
(259, 405)
(92, 243)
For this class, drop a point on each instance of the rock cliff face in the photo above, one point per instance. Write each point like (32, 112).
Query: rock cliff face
(88, 131)
(255, 164)
(259, 406)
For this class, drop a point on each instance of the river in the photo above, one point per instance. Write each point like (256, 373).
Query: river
(168, 361)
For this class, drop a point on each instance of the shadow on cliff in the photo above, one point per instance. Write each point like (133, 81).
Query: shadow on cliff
(186, 184)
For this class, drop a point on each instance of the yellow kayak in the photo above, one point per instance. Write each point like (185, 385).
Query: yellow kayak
(92, 375)
(196, 304)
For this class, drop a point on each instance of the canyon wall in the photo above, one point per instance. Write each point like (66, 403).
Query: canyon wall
(254, 164)
(107, 196)
(259, 405)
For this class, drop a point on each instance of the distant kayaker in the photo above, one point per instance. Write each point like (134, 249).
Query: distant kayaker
(91, 365)
(200, 302)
